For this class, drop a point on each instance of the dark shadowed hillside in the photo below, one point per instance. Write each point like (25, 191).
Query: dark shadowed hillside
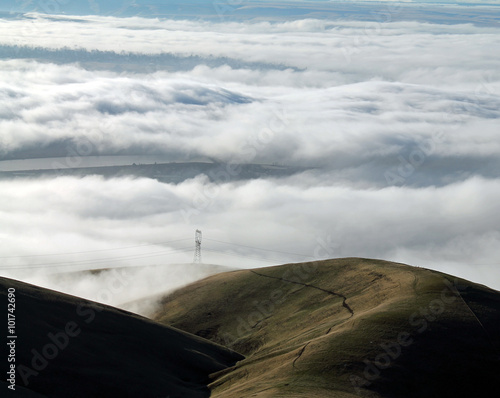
(69, 347)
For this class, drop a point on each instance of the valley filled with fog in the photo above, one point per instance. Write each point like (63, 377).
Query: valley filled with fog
(390, 127)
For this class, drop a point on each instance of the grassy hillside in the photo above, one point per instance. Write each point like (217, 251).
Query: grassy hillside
(70, 347)
(345, 328)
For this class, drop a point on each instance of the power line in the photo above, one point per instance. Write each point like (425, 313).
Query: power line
(243, 255)
(95, 251)
(258, 248)
(96, 261)
(140, 256)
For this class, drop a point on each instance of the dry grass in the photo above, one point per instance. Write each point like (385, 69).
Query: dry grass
(302, 339)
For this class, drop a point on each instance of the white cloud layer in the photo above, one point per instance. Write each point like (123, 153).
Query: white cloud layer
(399, 122)
(433, 227)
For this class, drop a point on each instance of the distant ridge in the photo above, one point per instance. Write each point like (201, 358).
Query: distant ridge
(174, 172)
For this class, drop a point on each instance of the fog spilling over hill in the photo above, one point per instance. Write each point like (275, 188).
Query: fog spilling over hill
(136, 289)
(66, 346)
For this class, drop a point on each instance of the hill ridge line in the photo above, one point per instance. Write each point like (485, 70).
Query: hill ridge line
(344, 298)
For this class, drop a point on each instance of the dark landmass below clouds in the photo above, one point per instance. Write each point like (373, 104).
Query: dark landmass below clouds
(173, 173)
(129, 62)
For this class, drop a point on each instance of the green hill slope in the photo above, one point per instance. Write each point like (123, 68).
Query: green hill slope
(345, 328)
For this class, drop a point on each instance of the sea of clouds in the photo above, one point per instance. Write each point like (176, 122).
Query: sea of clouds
(396, 124)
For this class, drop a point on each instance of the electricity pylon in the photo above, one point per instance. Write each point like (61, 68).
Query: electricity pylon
(197, 250)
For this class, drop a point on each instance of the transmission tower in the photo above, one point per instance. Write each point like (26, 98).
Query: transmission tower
(197, 250)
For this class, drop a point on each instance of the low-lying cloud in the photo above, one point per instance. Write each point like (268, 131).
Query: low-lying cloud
(359, 131)
(122, 222)
(396, 122)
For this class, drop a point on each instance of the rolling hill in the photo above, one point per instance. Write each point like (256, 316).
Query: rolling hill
(345, 328)
(337, 328)
(70, 347)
